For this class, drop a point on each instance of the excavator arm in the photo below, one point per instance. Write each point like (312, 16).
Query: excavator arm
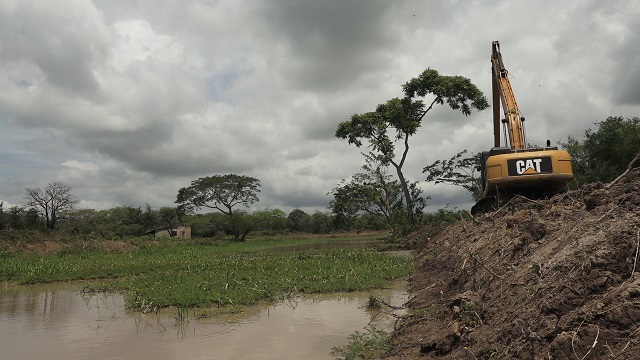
(503, 95)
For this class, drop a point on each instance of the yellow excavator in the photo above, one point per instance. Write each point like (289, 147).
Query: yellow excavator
(515, 168)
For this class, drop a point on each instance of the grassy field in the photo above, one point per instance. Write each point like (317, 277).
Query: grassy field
(210, 273)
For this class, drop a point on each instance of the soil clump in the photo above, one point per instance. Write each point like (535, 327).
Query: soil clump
(536, 279)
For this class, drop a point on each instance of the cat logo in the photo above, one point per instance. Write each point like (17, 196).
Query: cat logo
(531, 166)
(528, 166)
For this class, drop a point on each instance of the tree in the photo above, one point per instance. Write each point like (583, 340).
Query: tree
(52, 201)
(169, 218)
(374, 192)
(223, 193)
(2, 219)
(149, 218)
(460, 171)
(17, 216)
(124, 221)
(578, 162)
(606, 152)
(403, 117)
(319, 223)
(270, 220)
(297, 219)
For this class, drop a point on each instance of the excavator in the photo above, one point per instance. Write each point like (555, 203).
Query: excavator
(514, 167)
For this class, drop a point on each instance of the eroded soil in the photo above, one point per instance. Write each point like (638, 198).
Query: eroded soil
(550, 279)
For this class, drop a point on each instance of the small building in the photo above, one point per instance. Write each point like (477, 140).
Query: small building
(180, 232)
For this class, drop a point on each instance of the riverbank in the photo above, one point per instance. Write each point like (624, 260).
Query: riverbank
(535, 279)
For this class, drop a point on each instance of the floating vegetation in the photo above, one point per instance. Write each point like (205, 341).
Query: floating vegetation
(193, 275)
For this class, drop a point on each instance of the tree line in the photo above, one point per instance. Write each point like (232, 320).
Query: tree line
(126, 221)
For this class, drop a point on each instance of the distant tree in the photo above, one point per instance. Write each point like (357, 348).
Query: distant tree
(220, 224)
(223, 193)
(82, 221)
(459, 171)
(170, 218)
(297, 219)
(149, 218)
(270, 220)
(51, 201)
(125, 221)
(605, 153)
(17, 217)
(435, 222)
(32, 219)
(374, 192)
(120, 221)
(403, 117)
(3, 221)
(210, 225)
(319, 223)
(369, 222)
(240, 225)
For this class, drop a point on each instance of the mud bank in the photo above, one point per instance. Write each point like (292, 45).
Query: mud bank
(551, 279)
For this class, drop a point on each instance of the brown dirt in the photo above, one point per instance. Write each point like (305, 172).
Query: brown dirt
(543, 279)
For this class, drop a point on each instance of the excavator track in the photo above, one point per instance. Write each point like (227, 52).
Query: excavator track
(495, 202)
(490, 203)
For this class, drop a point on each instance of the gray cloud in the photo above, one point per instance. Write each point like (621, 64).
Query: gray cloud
(325, 47)
(127, 101)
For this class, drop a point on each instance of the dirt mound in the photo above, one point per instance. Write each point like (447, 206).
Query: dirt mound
(551, 279)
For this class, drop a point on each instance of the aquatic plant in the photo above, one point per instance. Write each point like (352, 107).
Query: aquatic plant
(195, 275)
(370, 344)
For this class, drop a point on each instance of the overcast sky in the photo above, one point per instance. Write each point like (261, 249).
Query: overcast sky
(128, 101)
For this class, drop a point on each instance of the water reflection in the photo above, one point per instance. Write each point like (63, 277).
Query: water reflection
(60, 322)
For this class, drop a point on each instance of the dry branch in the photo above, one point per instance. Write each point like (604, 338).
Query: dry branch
(489, 270)
(635, 260)
(471, 216)
(629, 167)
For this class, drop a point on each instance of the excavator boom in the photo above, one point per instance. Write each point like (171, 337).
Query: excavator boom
(503, 95)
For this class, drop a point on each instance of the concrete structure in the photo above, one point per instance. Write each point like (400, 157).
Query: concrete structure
(180, 232)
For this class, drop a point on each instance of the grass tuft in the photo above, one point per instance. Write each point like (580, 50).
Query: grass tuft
(370, 344)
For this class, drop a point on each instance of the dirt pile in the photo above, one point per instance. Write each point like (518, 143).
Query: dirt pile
(552, 279)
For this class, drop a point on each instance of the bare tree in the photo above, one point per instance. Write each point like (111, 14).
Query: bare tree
(51, 201)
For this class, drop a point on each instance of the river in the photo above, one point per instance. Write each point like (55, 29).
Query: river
(58, 321)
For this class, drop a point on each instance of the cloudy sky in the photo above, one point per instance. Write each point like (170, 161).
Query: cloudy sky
(127, 101)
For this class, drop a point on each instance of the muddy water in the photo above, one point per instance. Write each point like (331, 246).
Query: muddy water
(58, 322)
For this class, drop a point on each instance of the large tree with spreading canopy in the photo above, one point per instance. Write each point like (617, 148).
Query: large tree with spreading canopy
(223, 193)
(396, 120)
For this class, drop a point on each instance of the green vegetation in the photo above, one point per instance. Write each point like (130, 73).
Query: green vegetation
(374, 193)
(459, 171)
(201, 273)
(605, 153)
(370, 344)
